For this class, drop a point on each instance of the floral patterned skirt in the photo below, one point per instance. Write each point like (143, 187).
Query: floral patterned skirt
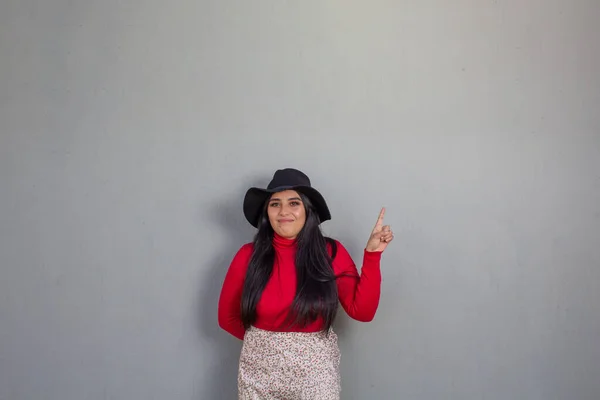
(289, 365)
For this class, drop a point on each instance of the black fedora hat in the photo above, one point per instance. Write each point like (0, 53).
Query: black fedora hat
(283, 179)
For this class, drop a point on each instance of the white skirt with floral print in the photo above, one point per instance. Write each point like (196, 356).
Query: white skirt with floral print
(289, 365)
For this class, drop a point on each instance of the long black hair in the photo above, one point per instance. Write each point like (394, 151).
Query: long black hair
(316, 290)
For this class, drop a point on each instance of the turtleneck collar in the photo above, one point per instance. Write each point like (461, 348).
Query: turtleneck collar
(281, 243)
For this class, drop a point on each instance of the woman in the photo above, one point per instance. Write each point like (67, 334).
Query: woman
(281, 292)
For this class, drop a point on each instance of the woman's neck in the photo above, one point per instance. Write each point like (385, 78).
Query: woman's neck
(282, 243)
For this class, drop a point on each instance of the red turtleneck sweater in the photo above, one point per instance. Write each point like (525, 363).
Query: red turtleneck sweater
(358, 294)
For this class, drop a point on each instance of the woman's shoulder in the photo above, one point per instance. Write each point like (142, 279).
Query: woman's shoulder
(341, 259)
(245, 249)
(242, 255)
(335, 248)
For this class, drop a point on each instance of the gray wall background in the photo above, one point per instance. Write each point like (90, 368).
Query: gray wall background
(131, 129)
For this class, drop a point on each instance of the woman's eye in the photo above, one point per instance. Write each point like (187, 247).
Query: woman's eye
(295, 203)
(274, 204)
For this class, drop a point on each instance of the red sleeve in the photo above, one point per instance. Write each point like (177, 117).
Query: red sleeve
(229, 312)
(358, 294)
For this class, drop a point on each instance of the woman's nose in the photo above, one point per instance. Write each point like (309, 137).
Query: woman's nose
(284, 210)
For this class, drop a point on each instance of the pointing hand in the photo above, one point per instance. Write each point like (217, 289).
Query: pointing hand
(381, 235)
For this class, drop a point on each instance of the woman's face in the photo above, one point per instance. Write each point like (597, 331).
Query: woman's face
(286, 213)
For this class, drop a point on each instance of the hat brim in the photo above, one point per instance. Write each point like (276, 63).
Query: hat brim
(255, 199)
